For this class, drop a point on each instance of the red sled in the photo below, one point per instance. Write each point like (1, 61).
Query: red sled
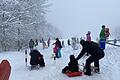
(73, 74)
(5, 70)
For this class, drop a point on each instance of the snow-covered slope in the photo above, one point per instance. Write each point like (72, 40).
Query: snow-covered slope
(110, 65)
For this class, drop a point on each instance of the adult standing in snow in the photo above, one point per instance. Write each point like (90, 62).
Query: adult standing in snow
(57, 48)
(68, 42)
(88, 37)
(63, 45)
(31, 44)
(48, 42)
(36, 42)
(102, 36)
(96, 53)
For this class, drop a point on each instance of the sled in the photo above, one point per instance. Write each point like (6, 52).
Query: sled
(5, 70)
(93, 68)
(74, 74)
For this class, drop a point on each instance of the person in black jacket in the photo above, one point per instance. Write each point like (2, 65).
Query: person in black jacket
(96, 53)
(72, 65)
(68, 42)
(36, 58)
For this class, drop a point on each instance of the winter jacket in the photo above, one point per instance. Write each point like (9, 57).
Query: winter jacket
(58, 44)
(88, 37)
(91, 48)
(73, 64)
(36, 57)
(102, 33)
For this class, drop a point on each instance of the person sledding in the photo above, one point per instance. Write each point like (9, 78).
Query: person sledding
(57, 48)
(36, 59)
(72, 65)
(96, 53)
(72, 69)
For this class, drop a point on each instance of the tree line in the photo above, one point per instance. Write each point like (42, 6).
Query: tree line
(22, 20)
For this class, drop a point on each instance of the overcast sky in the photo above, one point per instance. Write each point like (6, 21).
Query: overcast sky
(76, 17)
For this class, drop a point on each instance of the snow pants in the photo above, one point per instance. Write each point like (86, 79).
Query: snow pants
(102, 43)
(94, 59)
(58, 55)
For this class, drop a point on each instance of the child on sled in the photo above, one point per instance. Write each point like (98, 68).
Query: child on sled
(72, 65)
(36, 59)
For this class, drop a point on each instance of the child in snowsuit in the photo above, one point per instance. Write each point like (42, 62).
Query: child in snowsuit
(72, 65)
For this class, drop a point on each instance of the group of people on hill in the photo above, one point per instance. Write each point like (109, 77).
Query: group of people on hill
(103, 36)
(95, 51)
(33, 44)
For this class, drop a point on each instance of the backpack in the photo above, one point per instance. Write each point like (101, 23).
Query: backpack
(107, 33)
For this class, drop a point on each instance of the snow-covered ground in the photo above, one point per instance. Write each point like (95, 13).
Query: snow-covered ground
(110, 65)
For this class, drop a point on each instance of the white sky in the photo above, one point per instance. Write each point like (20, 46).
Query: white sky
(76, 17)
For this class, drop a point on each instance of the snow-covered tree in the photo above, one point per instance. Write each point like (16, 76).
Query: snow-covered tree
(20, 21)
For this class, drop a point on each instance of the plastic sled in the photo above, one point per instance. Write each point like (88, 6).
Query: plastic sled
(73, 74)
(5, 70)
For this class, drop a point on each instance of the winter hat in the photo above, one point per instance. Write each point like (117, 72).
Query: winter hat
(57, 39)
(103, 26)
(72, 57)
(82, 41)
(88, 32)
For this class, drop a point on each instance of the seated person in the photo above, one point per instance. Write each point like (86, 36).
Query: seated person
(72, 65)
(36, 58)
